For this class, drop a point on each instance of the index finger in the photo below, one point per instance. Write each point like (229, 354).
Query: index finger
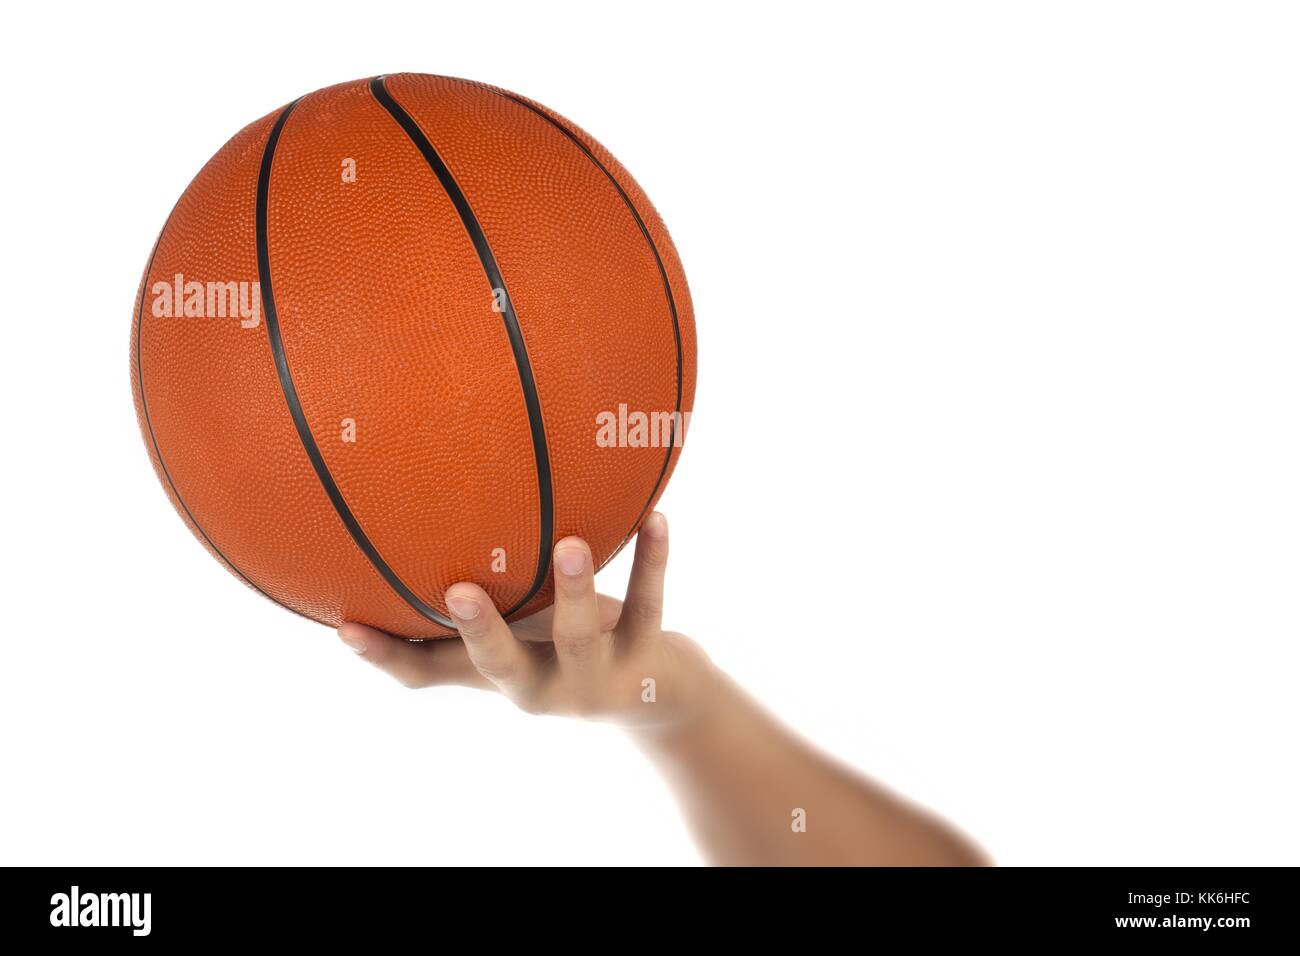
(495, 652)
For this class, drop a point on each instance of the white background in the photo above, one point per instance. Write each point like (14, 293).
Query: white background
(991, 488)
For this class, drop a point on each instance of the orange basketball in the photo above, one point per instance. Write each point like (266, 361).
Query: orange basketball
(405, 332)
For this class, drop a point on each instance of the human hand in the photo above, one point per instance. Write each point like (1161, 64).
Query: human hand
(585, 656)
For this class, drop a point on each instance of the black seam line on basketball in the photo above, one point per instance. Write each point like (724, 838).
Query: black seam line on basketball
(153, 439)
(291, 392)
(663, 274)
(533, 405)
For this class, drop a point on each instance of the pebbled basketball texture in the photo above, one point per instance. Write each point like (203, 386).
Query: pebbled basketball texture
(448, 291)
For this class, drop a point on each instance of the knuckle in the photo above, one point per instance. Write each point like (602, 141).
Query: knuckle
(495, 667)
(655, 555)
(576, 648)
(645, 614)
(571, 588)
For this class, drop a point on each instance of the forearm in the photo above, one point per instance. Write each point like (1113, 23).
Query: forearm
(753, 792)
(757, 795)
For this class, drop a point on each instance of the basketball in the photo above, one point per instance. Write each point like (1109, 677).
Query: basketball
(409, 331)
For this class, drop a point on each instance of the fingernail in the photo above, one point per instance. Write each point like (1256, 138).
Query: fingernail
(570, 561)
(464, 608)
(656, 526)
(357, 645)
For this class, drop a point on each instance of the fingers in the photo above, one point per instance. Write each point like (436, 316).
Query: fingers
(494, 651)
(608, 609)
(537, 627)
(643, 608)
(489, 654)
(575, 629)
(415, 665)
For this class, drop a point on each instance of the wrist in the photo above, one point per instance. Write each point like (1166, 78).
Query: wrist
(713, 701)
